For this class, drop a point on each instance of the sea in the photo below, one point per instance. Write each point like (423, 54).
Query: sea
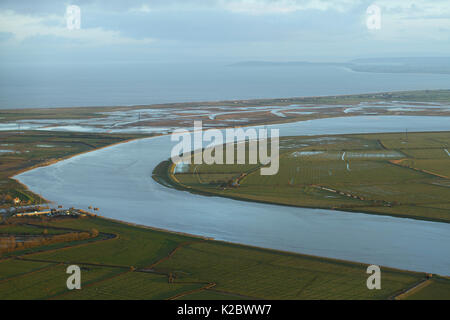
(49, 85)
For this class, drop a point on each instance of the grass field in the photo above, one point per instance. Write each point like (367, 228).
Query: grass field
(142, 263)
(25, 229)
(399, 174)
(434, 289)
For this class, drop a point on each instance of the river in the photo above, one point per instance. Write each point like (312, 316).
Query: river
(117, 179)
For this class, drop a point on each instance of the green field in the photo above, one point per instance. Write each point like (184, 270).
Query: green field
(437, 289)
(142, 263)
(399, 174)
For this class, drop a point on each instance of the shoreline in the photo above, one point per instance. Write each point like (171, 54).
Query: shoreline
(181, 187)
(54, 161)
(211, 194)
(282, 101)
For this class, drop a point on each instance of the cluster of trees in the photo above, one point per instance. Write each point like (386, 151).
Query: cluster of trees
(9, 244)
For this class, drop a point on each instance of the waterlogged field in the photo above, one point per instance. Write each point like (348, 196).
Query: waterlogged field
(164, 118)
(142, 263)
(401, 174)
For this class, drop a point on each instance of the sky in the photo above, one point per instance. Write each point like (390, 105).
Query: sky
(221, 30)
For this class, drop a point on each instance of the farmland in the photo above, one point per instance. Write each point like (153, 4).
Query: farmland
(398, 174)
(165, 265)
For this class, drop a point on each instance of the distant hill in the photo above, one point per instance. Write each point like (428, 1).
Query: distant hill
(437, 65)
(434, 65)
(285, 64)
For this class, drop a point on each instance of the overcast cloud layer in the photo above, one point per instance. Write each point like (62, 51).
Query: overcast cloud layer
(231, 30)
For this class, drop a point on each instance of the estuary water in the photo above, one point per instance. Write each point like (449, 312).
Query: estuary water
(118, 180)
